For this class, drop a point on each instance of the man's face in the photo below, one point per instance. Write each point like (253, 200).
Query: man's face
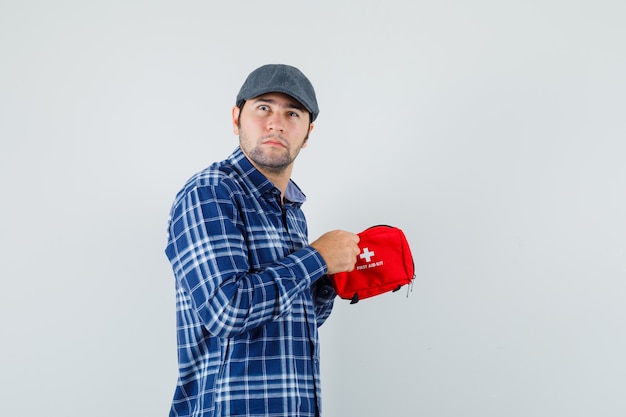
(272, 129)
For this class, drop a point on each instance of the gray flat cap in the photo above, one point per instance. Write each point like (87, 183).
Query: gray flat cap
(279, 78)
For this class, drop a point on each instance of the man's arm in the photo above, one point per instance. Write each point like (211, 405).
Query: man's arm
(209, 254)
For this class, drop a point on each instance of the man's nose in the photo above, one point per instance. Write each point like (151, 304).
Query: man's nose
(276, 122)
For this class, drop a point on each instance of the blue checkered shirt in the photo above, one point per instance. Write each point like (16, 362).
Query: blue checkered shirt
(250, 295)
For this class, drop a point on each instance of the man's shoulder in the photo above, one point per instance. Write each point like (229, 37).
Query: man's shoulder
(217, 175)
(232, 177)
(214, 175)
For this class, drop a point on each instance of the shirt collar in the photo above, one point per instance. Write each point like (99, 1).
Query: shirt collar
(260, 183)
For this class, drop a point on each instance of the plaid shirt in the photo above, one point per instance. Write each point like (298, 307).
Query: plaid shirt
(249, 296)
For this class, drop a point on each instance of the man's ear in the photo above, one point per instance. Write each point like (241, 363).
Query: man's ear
(306, 140)
(235, 115)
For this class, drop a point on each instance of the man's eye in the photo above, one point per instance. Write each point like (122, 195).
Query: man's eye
(264, 107)
(293, 114)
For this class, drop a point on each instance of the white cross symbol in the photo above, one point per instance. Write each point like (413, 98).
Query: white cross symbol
(367, 255)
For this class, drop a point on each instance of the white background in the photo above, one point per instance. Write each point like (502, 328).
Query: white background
(492, 132)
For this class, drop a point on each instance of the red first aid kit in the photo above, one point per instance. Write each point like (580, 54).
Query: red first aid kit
(385, 264)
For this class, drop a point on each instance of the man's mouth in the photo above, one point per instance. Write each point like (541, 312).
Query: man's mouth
(274, 142)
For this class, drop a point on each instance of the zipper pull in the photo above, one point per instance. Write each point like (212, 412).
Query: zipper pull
(409, 288)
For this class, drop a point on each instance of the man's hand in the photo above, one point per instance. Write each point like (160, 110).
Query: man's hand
(339, 250)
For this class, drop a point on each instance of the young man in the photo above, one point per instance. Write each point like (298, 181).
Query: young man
(251, 290)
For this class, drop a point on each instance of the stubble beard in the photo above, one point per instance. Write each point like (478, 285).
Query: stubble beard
(271, 161)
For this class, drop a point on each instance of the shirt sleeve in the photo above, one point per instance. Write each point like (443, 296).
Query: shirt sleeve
(209, 255)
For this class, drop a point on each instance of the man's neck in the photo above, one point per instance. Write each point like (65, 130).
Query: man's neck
(279, 180)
